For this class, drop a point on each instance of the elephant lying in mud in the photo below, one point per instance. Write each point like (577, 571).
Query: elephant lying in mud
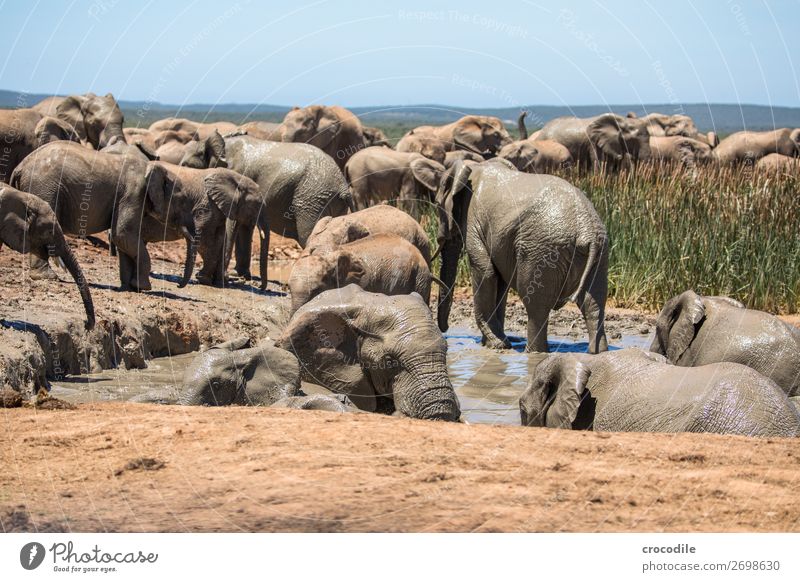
(237, 372)
(331, 232)
(29, 225)
(381, 263)
(534, 233)
(693, 330)
(635, 391)
(384, 352)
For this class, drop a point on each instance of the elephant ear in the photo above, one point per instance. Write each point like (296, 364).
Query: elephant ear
(451, 191)
(605, 134)
(51, 129)
(427, 172)
(676, 325)
(348, 269)
(561, 381)
(71, 111)
(326, 344)
(223, 191)
(215, 151)
(468, 135)
(159, 188)
(328, 126)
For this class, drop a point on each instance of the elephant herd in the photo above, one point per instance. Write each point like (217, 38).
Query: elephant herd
(361, 323)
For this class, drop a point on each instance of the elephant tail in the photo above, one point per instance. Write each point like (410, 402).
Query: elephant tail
(596, 248)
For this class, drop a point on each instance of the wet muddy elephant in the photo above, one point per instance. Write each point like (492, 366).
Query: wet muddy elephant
(384, 352)
(693, 330)
(381, 263)
(29, 225)
(534, 233)
(635, 391)
(238, 372)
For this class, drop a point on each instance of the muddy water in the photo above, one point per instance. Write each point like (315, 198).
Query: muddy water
(488, 382)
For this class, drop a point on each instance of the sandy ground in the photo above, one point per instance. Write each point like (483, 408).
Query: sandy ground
(140, 467)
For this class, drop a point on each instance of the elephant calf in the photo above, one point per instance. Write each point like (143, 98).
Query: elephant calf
(382, 263)
(330, 232)
(635, 391)
(236, 372)
(693, 330)
(382, 351)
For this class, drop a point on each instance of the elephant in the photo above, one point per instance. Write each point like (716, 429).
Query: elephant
(662, 125)
(196, 153)
(374, 137)
(378, 174)
(381, 263)
(604, 139)
(263, 130)
(202, 130)
(383, 351)
(51, 129)
(451, 158)
(333, 129)
(238, 372)
(317, 402)
(97, 120)
(635, 391)
(93, 191)
(535, 157)
(534, 233)
(299, 186)
(480, 134)
(331, 232)
(681, 150)
(29, 225)
(424, 143)
(693, 330)
(779, 163)
(747, 147)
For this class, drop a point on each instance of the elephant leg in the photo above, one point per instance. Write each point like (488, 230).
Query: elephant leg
(134, 263)
(244, 241)
(538, 287)
(592, 304)
(486, 288)
(40, 269)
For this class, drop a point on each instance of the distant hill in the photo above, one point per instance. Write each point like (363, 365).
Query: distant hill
(724, 118)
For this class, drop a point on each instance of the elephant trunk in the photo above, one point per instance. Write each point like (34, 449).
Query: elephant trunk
(230, 240)
(191, 254)
(451, 251)
(111, 134)
(422, 389)
(65, 253)
(523, 131)
(263, 255)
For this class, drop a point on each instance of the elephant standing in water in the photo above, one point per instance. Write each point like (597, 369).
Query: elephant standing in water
(384, 352)
(534, 233)
(29, 225)
(693, 330)
(635, 391)
(299, 185)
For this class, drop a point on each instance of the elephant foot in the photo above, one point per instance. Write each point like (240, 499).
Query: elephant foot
(496, 343)
(43, 273)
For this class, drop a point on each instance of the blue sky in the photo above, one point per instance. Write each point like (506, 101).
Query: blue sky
(473, 54)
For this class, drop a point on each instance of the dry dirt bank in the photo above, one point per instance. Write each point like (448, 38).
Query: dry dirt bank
(141, 467)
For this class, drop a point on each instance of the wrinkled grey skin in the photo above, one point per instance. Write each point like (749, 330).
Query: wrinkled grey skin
(381, 263)
(338, 403)
(331, 232)
(383, 351)
(635, 391)
(680, 150)
(299, 186)
(236, 372)
(379, 174)
(534, 233)
(92, 191)
(693, 330)
(605, 139)
(29, 225)
(747, 147)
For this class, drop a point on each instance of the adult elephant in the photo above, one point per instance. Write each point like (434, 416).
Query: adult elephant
(680, 150)
(332, 232)
(299, 185)
(384, 352)
(91, 192)
(263, 130)
(779, 163)
(96, 119)
(635, 391)
(381, 263)
(378, 174)
(202, 130)
(604, 139)
(535, 157)
(693, 330)
(238, 372)
(480, 134)
(29, 225)
(424, 143)
(534, 233)
(747, 147)
(198, 153)
(333, 129)
(661, 125)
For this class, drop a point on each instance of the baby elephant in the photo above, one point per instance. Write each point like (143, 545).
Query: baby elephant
(635, 391)
(235, 372)
(381, 263)
(693, 330)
